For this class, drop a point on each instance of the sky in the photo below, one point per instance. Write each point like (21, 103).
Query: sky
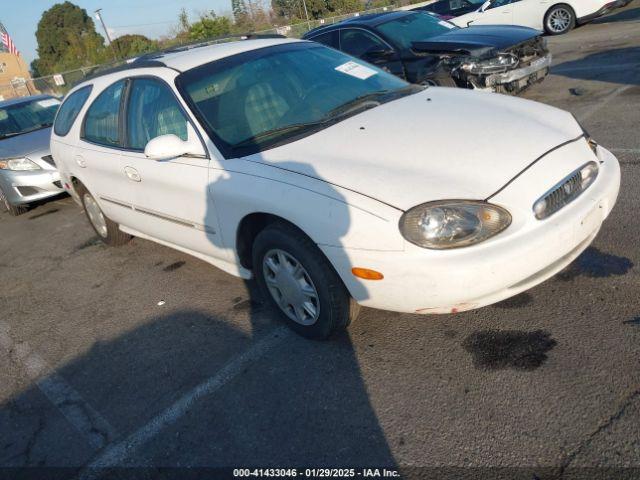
(152, 18)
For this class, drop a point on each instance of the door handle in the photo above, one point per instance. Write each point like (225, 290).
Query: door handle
(133, 174)
(80, 161)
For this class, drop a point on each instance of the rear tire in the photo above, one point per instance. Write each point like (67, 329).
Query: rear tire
(107, 230)
(297, 279)
(559, 19)
(14, 210)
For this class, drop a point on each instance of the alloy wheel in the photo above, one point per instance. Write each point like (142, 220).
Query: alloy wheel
(559, 20)
(291, 287)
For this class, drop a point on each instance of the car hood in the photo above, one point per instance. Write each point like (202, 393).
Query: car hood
(441, 143)
(476, 40)
(26, 144)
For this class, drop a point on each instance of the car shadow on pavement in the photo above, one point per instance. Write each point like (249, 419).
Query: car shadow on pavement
(621, 16)
(613, 66)
(299, 403)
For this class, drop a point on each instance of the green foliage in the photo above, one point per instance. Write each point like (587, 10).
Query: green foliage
(132, 45)
(293, 10)
(67, 39)
(239, 8)
(210, 26)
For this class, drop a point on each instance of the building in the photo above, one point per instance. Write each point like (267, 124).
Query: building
(15, 79)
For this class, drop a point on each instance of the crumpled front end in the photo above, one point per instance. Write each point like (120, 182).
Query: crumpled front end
(510, 71)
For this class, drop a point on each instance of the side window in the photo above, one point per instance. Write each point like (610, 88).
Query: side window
(359, 42)
(101, 123)
(69, 110)
(501, 3)
(329, 39)
(153, 111)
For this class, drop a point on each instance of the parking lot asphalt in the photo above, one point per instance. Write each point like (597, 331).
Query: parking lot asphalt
(142, 356)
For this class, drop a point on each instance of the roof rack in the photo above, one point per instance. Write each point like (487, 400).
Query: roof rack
(127, 65)
(151, 60)
(190, 46)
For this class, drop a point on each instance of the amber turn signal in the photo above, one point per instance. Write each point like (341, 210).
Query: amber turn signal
(366, 274)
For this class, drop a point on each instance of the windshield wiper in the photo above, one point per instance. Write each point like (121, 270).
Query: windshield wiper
(40, 126)
(295, 127)
(368, 99)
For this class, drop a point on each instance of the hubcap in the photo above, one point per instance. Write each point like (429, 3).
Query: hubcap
(96, 217)
(291, 287)
(559, 20)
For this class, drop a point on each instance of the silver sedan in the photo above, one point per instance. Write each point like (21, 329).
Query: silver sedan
(27, 170)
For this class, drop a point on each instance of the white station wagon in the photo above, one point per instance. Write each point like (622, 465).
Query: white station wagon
(333, 182)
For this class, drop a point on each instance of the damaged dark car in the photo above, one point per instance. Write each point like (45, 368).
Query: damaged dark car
(424, 49)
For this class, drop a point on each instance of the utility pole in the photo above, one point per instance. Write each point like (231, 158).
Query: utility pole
(304, 3)
(106, 32)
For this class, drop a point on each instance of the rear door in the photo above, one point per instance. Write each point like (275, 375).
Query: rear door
(97, 156)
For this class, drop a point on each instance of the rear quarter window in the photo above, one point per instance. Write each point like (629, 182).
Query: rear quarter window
(69, 110)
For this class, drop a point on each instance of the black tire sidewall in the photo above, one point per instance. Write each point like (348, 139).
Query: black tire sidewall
(333, 297)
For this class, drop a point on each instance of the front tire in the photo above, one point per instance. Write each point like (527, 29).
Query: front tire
(298, 280)
(559, 19)
(107, 230)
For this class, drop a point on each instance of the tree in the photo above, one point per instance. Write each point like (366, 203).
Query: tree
(340, 7)
(133, 45)
(210, 26)
(239, 8)
(67, 39)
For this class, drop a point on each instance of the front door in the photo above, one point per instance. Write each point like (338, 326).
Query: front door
(499, 12)
(371, 48)
(170, 197)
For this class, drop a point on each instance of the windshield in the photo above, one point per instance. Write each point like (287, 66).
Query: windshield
(413, 28)
(261, 98)
(27, 116)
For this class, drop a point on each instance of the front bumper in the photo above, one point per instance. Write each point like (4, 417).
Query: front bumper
(520, 78)
(527, 253)
(22, 187)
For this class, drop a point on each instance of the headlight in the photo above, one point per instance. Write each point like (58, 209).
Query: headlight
(453, 223)
(18, 164)
(501, 63)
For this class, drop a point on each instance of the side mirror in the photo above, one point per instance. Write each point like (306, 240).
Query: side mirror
(379, 54)
(170, 146)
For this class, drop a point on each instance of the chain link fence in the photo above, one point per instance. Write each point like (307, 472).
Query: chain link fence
(59, 84)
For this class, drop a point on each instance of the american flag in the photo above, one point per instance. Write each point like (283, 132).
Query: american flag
(7, 44)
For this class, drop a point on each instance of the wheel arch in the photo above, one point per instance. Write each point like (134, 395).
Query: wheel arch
(248, 229)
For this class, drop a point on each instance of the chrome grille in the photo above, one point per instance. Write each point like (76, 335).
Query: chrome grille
(564, 194)
(566, 191)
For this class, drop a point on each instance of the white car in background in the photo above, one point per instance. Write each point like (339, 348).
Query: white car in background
(553, 16)
(332, 182)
